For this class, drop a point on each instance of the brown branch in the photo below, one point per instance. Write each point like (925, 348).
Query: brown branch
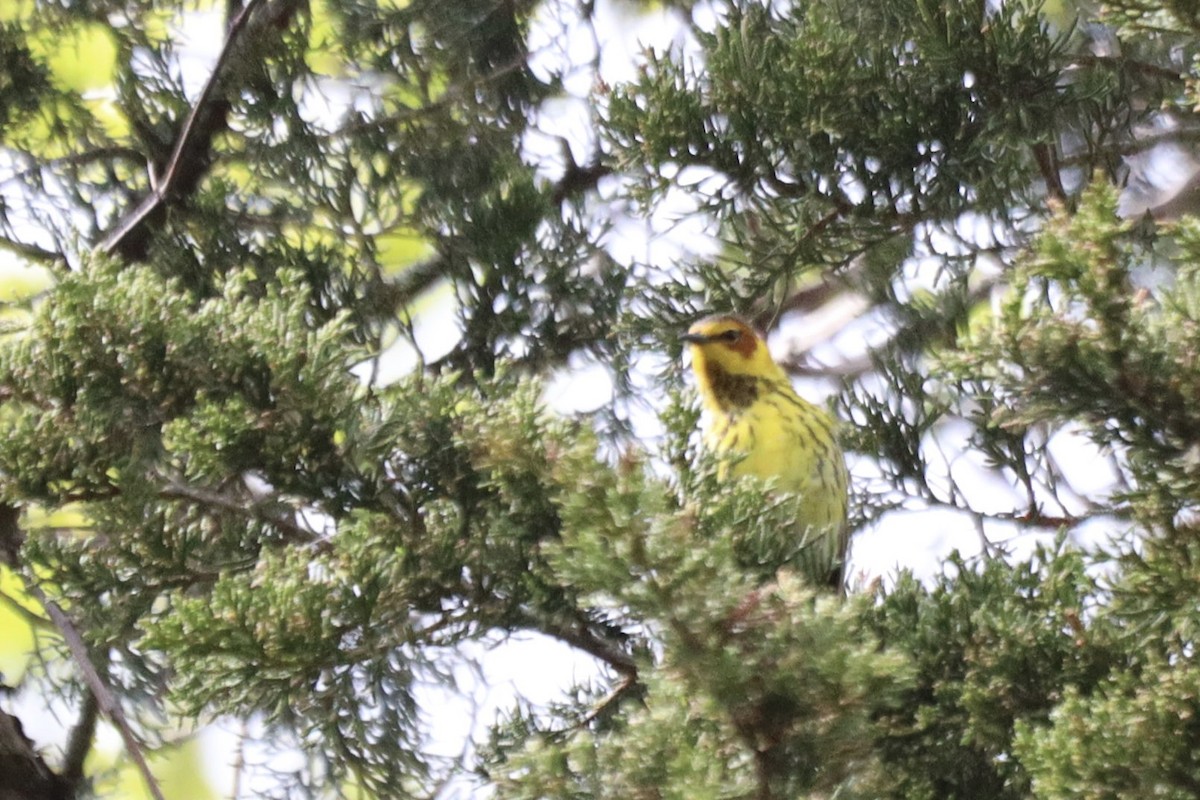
(806, 299)
(609, 701)
(1135, 145)
(1130, 65)
(31, 252)
(79, 744)
(191, 127)
(577, 179)
(190, 157)
(31, 618)
(578, 636)
(1047, 161)
(23, 773)
(105, 700)
(797, 365)
(293, 531)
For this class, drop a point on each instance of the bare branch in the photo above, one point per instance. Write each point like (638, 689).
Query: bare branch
(23, 773)
(189, 159)
(104, 698)
(178, 490)
(31, 252)
(33, 619)
(80, 742)
(1143, 68)
(610, 700)
(1047, 161)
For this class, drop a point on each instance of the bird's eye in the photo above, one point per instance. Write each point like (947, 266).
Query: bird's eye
(731, 335)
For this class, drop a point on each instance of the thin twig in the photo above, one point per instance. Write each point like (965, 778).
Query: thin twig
(608, 701)
(1143, 68)
(178, 490)
(167, 183)
(105, 699)
(986, 544)
(239, 761)
(34, 619)
(31, 252)
(171, 175)
(1046, 157)
(582, 639)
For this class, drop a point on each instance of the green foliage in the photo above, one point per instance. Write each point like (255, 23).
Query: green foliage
(1077, 340)
(706, 729)
(792, 84)
(838, 125)
(123, 373)
(995, 648)
(244, 520)
(757, 685)
(21, 78)
(1137, 729)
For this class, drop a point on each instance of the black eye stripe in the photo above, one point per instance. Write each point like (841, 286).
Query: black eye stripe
(731, 335)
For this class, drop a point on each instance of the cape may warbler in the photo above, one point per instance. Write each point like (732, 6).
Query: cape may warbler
(758, 425)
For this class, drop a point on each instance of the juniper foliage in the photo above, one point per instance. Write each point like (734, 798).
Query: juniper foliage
(212, 466)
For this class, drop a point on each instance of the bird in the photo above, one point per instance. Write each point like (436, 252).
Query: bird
(758, 425)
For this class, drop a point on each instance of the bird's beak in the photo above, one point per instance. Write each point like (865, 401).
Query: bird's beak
(695, 338)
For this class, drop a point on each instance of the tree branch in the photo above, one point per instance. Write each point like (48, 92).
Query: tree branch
(105, 700)
(190, 158)
(23, 773)
(1047, 160)
(31, 252)
(11, 538)
(579, 637)
(34, 620)
(79, 744)
(178, 490)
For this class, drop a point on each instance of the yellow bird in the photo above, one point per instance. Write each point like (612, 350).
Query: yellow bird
(756, 419)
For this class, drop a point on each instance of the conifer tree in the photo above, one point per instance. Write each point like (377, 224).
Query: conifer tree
(225, 496)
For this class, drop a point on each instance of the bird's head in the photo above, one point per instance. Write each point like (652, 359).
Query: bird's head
(729, 359)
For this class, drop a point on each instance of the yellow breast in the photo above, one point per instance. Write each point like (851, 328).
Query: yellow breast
(782, 437)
